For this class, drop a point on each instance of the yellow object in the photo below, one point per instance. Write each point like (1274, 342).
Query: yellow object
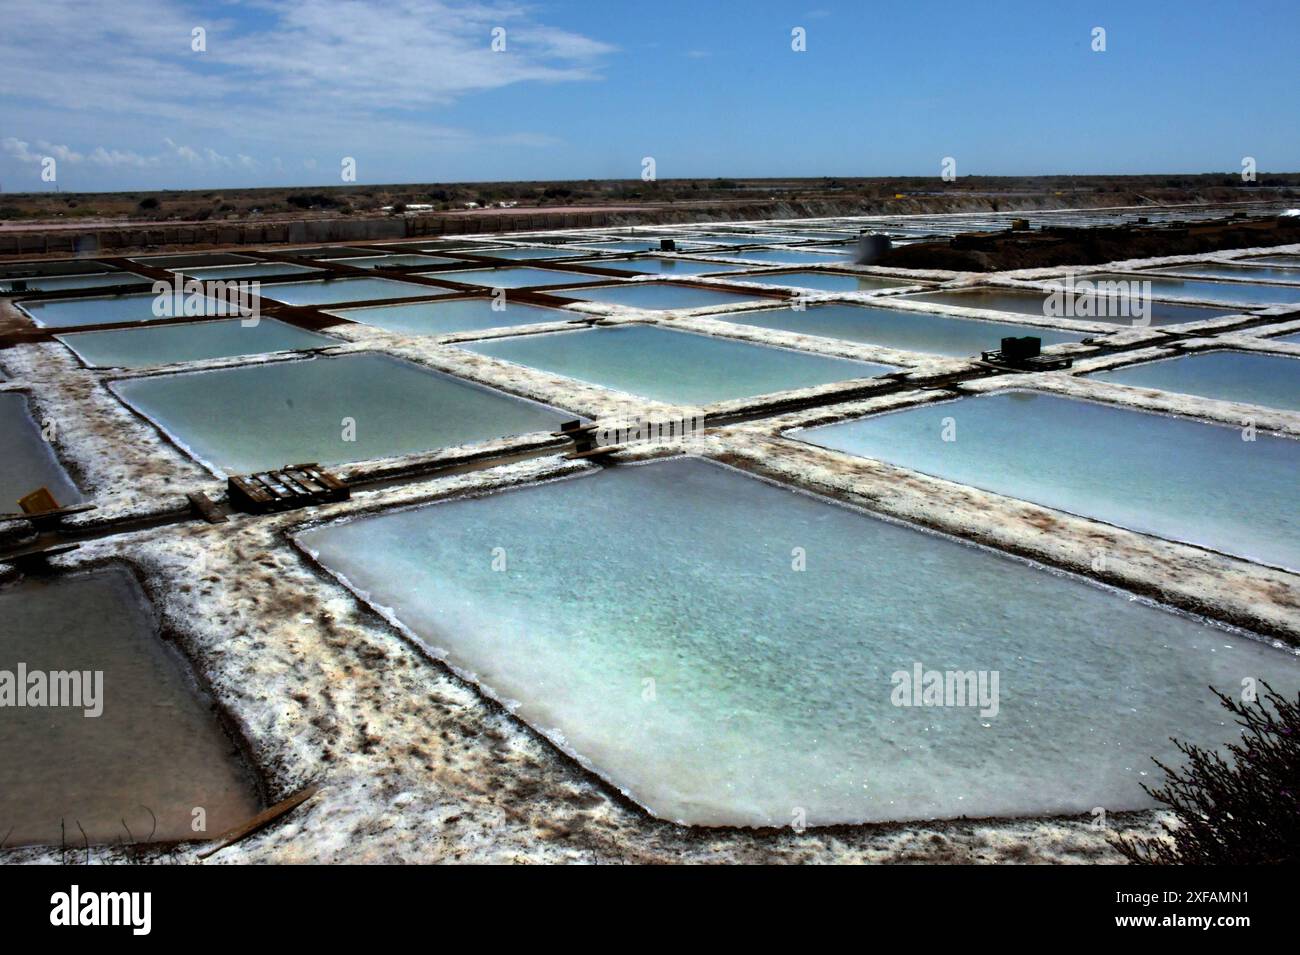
(38, 502)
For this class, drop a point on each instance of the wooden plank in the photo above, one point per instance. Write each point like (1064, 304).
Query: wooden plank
(594, 452)
(205, 507)
(260, 821)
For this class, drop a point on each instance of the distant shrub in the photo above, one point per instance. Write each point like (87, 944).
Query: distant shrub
(312, 200)
(1246, 812)
(149, 202)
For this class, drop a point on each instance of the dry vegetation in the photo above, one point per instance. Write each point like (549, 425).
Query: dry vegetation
(834, 195)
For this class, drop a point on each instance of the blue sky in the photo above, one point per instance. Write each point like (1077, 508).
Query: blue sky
(413, 92)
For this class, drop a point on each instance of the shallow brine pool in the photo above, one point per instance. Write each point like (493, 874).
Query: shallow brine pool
(110, 310)
(330, 410)
(827, 281)
(523, 254)
(655, 265)
(1219, 271)
(658, 295)
(254, 270)
(781, 257)
(510, 277)
(1272, 380)
(1177, 478)
(54, 283)
(909, 331)
(27, 463)
(160, 345)
(672, 366)
(389, 261)
(1102, 309)
(153, 753)
(456, 315)
(343, 290)
(1244, 292)
(1291, 260)
(728, 670)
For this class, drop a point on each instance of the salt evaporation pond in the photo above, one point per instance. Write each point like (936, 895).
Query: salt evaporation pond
(716, 685)
(1292, 260)
(155, 751)
(1220, 271)
(1245, 292)
(657, 295)
(253, 417)
(648, 244)
(655, 265)
(343, 290)
(454, 315)
(389, 261)
(1025, 302)
(509, 277)
(673, 366)
(225, 273)
(781, 257)
(110, 310)
(827, 281)
(892, 328)
(55, 283)
(164, 344)
(525, 253)
(1251, 377)
(28, 462)
(1177, 478)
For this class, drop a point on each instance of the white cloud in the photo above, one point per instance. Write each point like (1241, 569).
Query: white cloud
(285, 78)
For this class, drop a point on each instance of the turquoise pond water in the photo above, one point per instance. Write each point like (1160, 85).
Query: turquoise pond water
(1036, 303)
(650, 620)
(524, 254)
(827, 281)
(1177, 478)
(67, 313)
(28, 462)
(658, 295)
(456, 315)
(245, 419)
(343, 290)
(54, 283)
(1244, 292)
(1260, 272)
(1291, 260)
(154, 752)
(892, 328)
(654, 265)
(672, 366)
(1251, 377)
(159, 345)
(781, 257)
(648, 244)
(219, 273)
(194, 260)
(390, 261)
(508, 277)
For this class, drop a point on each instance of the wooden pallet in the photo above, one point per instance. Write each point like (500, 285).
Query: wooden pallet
(292, 486)
(1036, 363)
